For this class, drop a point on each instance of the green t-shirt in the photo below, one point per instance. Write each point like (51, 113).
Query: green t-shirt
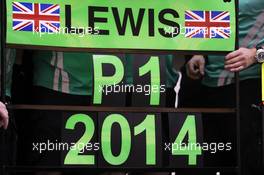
(71, 73)
(251, 33)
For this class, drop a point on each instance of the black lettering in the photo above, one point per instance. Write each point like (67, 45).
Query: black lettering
(151, 22)
(68, 24)
(92, 19)
(67, 18)
(175, 26)
(121, 28)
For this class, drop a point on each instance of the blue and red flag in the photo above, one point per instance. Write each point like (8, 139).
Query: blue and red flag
(207, 24)
(36, 17)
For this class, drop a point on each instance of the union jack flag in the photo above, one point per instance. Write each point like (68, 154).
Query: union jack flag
(36, 17)
(207, 24)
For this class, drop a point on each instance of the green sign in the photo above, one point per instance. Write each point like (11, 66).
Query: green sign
(144, 134)
(162, 25)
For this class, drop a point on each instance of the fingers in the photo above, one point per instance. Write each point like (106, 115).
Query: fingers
(240, 59)
(233, 54)
(233, 60)
(201, 67)
(3, 116)
(195, 67)
(192, 67)
(5, 123)
(192, 75)
(234, 63)
(234, 67)
(192, 71)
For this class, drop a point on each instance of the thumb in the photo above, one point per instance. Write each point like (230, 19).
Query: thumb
(5, 120)
(3, 117)
(201, 67)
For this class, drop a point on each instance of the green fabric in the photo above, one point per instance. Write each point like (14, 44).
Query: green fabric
(10, 59)
(10, 55)
(71, 73)
(65, 72)
(171, 74)
(74, 70)
(215, 75)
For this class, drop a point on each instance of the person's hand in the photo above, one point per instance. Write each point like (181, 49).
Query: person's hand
(240, 59)
(195, 67)
(3, 116)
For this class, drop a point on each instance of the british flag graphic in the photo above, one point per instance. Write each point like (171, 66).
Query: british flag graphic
(36, 17)
(207, 24)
